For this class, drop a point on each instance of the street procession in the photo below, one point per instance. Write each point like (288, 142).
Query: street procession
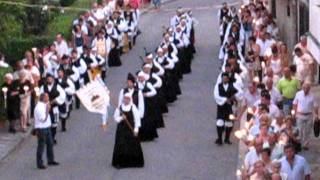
(176, 89)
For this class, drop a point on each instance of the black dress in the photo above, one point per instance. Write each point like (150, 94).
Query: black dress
(13, 101)
(127, 149)
(114, 56)
(148, 130)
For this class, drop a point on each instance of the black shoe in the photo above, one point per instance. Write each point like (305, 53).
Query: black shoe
(13, 131)
(218, 142)
(53, 163)
(28, 124)
(42, 167)
(54, 142)
(227, 142)
(63, 129)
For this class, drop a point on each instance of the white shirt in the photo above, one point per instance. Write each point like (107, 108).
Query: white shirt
(299, 169)
(136, 115)
(62, 48)
(40, 115)
(275, 79)
(273, 109)
(264, 45)
(305, 103)
(275, 95)
(140, 100)
(251, 157)
(249, 99)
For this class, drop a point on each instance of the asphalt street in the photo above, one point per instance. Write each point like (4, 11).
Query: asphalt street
(185, 149)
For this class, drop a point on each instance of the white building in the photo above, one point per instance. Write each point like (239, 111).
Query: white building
(314, 30)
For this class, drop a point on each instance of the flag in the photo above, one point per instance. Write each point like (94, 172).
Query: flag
(95, 97)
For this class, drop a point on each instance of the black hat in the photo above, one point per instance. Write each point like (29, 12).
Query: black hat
(225, 74)
(131, 77)
(49, 75)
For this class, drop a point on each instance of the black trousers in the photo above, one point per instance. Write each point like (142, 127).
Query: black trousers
(44, 139)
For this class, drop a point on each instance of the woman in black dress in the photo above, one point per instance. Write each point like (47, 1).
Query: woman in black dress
(114, 54)
(148, 130)
(10, 94)
(127, 149)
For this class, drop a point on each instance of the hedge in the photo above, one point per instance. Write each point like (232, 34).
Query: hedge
(16, 47)
(65, 3)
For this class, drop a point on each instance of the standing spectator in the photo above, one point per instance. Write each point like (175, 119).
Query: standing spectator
(288, 87)
(10, 95)
(304, 105)
(25, 88)
(304, 64)
(284, 55)
(61, 45)
(294, 166)
(156, 4)
(43, 128)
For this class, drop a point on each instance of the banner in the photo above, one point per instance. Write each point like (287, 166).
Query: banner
(95, 97)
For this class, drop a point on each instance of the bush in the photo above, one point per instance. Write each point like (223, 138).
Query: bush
(65, 3)
(16, 47)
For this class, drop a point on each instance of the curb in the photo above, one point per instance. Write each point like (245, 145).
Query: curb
(18, 144)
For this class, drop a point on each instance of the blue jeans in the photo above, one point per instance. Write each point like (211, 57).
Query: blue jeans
(44, 138)
(287, 106)
(156, 2)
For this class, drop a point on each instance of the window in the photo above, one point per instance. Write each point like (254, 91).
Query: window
(303, 18)
(274, 8)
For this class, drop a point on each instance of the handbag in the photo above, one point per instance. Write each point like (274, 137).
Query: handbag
(316, 127)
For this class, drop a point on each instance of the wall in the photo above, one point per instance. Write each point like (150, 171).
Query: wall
(314, 37)
(287, 24)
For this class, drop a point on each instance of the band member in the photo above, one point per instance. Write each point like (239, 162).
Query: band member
(57, 97)
(127, 149)
(66, 83)
(224, 94)
(91, 62)
(82, 67)
(102, 45)
(136, 94)
(148, 131)
(114, 55)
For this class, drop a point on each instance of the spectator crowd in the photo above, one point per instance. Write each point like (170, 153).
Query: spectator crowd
(268, 89)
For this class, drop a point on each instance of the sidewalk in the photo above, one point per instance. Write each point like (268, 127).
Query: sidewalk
(10, 142)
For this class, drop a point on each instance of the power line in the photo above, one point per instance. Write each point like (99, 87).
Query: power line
(44, 7)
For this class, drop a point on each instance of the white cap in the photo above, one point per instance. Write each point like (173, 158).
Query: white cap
(160, 50)
(147, 66)
(141, 73)
(150, 56)
(128, 95)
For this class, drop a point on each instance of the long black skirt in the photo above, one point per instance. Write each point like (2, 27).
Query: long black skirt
(114, 58)
(148, 130)
(127, 149)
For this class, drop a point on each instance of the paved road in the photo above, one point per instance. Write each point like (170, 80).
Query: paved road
(185, 149)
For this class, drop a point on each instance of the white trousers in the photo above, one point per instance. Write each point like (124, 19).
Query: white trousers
(304, 124)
